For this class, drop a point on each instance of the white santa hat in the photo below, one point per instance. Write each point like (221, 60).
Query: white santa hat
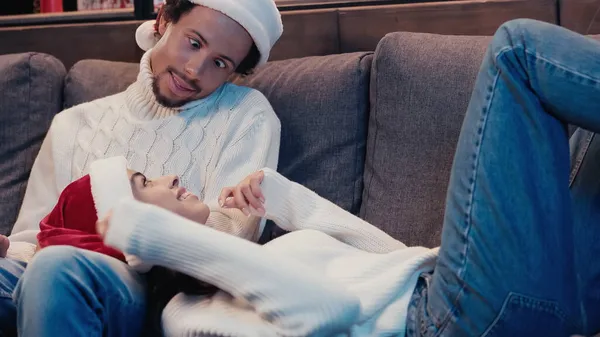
(109, 183)
(260, 18)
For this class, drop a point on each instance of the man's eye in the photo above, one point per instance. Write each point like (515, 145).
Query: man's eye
(144, 181)
(194, 43)
(220, 64)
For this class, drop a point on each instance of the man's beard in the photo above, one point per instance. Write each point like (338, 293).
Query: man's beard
(161, 99)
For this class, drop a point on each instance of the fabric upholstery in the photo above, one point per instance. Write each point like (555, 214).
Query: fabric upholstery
(420, 88)
(322, 103)
(30, 95)
(88, 80)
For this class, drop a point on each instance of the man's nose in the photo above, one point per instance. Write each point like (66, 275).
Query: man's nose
(196, 65)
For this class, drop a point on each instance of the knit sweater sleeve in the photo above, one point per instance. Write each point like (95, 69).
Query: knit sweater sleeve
(285, 293)
(251, 147)
(293, 207)
(40, 196)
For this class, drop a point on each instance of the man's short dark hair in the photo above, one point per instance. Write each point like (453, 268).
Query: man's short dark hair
(173, 10)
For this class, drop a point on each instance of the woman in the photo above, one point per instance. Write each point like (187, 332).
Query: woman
(332, 274)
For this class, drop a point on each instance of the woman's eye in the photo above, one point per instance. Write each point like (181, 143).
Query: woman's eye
(194, 43)
(221, 64)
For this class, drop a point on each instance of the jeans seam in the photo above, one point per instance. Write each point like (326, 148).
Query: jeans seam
(580, 157)
(540, 57)
(481, 130)
(557, 64)
(492, 325)
(526, 301)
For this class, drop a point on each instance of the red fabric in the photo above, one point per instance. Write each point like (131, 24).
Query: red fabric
(51, 6)
(72, 222)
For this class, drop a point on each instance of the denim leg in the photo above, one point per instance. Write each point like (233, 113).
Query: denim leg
(507, 264)
(585, 192)
(10, 272)
(67, 291)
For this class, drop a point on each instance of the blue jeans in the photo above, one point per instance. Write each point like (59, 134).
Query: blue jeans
(520, 251)
(10, 273)
(67, 291)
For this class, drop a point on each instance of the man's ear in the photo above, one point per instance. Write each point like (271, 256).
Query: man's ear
(161, 23)
(162, 27)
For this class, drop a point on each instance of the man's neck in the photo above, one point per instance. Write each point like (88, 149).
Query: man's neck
(140, 97)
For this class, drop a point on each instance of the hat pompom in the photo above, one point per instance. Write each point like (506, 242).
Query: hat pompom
(145, 35)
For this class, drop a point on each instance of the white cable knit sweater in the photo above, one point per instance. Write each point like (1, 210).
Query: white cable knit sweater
(335, 275)
(209, 143)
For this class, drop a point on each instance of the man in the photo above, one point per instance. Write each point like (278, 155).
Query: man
(179, 117)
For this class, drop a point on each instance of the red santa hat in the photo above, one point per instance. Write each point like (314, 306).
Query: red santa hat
(73, 220)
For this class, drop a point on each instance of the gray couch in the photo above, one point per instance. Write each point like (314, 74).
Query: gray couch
(374, 132)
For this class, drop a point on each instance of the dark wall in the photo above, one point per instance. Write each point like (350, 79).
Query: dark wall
(581, 16)
(71, 43)
(362, 28)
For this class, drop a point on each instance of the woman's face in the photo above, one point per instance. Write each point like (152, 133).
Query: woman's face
(165, 192)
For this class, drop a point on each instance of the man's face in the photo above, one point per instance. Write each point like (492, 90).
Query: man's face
(197, 55)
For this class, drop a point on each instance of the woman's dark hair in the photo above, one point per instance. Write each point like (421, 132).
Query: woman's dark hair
(173, 10)
(162, 285)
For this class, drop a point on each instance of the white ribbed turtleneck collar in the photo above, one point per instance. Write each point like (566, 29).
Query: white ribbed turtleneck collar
(143, 104)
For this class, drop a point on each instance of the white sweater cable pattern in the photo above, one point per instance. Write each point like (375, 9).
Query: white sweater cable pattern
(209, 143)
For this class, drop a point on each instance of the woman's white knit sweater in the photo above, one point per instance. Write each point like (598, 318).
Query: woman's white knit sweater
(335, 275)
(209, 143)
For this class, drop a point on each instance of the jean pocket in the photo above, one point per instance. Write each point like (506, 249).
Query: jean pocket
(527, 316)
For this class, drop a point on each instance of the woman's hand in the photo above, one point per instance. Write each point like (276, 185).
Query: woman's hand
(4, 245)
(103, 224)
(246, 196)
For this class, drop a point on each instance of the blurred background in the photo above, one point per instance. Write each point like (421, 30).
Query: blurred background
(104, 29)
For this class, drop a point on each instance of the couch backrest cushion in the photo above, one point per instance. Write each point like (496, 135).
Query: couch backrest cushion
(421, 86)
(88, 80)
(322, 103)
(30, 95)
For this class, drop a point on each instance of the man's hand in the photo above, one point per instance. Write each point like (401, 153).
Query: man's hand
(4, 244)
(246, 196)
